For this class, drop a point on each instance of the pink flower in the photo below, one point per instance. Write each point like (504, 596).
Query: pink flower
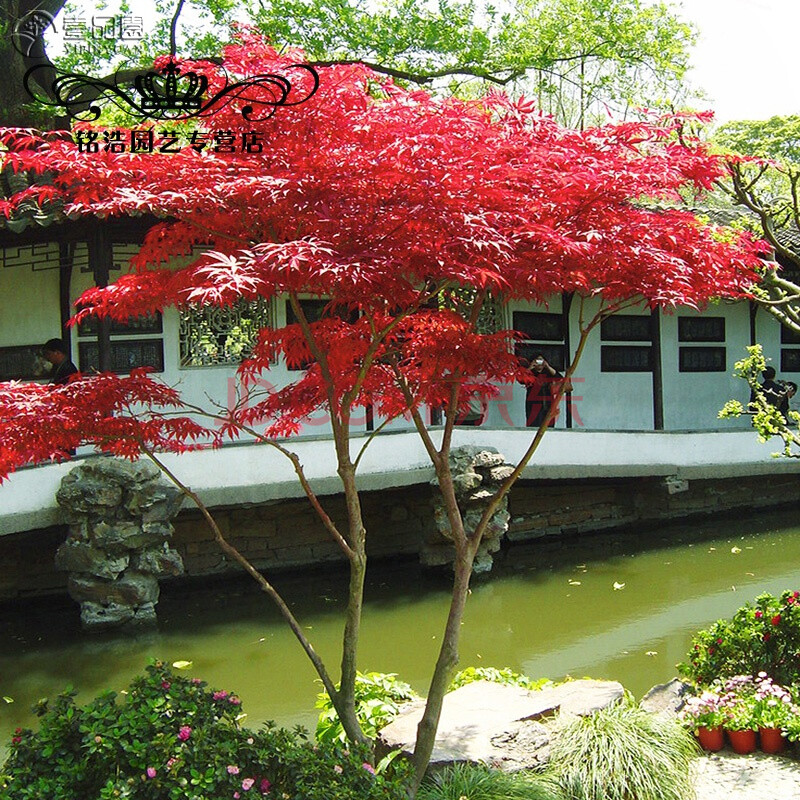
(151, 772)
(221, 695)
(232, 769)
(368, 767)
(776, 619)
(247, 784)
(759, 614)
(196, 681)
(184, 733)
(171, 763)
(264, 786)
(236, 796)
(165, 685)
(337, 769)
(234, 701)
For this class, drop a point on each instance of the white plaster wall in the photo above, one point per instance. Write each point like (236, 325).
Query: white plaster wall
(257, 473)
(618, 401)
(29, 305)
(693, 399)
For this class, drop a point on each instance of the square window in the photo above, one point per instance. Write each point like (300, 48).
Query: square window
(790, 360)
(626, 359)
(702, 359)
(701, 329)
(626, 328)
(544, 327)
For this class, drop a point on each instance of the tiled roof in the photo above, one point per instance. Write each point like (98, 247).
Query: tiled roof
(29, 213)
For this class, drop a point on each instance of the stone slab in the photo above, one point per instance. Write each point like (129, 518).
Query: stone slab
(477, 718)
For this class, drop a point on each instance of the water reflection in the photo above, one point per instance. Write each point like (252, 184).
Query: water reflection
(550, 609)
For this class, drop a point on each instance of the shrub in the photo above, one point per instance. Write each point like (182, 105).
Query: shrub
(471, 782)
(379, 696)
(495, 675)
(761, 637)
(172, 738)
(623, 753)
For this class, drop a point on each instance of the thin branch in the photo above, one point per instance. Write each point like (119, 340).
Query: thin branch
(265, 585)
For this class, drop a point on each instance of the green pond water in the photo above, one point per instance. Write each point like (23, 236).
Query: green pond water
(547, 610)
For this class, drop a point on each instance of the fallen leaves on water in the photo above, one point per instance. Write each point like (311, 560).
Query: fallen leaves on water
(618, 586)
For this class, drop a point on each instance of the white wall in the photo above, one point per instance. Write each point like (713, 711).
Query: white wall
(29, 304)
(692, 399)
(29, 313)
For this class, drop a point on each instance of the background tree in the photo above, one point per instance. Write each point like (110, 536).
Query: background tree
(763, 180)
(584, 60)
(383, 201)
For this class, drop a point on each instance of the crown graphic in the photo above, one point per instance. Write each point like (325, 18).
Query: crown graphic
(169, 90)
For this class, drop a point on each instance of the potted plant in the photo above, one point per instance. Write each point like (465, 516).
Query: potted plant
(705, 716)
(772, 712)
(738, 700)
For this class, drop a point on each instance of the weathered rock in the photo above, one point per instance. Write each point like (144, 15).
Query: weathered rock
(131, 589)
(497, 724)
(477, 475)
(500, 474)
(119, 515)
(85, 496)
(668, 697)
(95, 616)
(487, 459)
(162, 561)
(466, 481)
(584, 697)
(78, 556)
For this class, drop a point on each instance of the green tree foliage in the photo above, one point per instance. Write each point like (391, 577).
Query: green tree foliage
(763, 185)
(581, 59)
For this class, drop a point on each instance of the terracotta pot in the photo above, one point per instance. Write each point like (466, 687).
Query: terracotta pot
(711, 739)
(771, 740)
(742, 741)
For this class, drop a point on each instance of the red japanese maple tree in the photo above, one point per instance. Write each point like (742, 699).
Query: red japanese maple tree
(409, 213)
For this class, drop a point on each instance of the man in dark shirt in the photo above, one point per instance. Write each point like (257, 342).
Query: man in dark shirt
(773, 391)
(55, 352)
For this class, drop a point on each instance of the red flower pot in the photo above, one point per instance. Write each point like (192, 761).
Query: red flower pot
(711, 739)
(771, 740)
(742, 741)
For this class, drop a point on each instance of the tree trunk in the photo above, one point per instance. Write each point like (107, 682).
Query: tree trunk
(445, 664)
(355, 603)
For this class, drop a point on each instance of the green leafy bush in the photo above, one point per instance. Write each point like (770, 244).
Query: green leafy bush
(762, 637)
(172, 738)
(495, 675)
(379, 696)
(623, 753)
(471, 782)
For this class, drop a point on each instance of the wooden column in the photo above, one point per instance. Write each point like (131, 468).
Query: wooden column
(66, 256)
(101, 260)
(658, 385)
(566, 304)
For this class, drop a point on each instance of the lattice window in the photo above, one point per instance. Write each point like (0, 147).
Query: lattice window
(211, 335)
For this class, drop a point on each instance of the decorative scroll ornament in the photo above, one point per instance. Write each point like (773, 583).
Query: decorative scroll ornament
(167, 93)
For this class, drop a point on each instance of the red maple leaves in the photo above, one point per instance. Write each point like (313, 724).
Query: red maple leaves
(380, 199)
